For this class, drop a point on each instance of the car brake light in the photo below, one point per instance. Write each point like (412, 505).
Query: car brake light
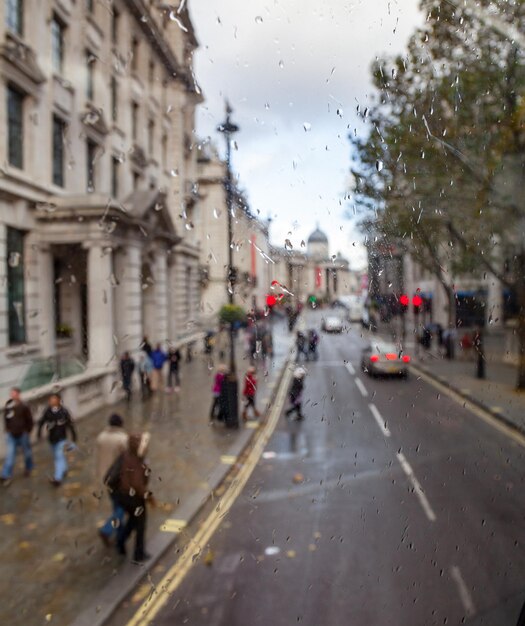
(391, 356)
(374, 358)
(406, 358)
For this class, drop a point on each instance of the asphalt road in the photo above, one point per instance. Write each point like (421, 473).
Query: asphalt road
(406, 508)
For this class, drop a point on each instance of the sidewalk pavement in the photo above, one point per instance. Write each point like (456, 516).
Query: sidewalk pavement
(53, 566)
(496, 393)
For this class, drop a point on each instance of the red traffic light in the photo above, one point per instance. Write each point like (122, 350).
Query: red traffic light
(417, 300)
(404, 299)
(271, 300)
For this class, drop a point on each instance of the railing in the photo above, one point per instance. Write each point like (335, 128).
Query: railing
(43, 371)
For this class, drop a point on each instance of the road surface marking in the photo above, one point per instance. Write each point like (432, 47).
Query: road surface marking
(350, 368)
(464, 594)
(228, 459)
(418, 490)
(483, 414)
(361, 387)
(193, 549)
(381, 422)
(173, 525)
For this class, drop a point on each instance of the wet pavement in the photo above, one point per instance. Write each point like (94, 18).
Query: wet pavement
(51, 559)
(391, 504)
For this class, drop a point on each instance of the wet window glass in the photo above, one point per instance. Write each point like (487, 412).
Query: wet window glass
(262, 312)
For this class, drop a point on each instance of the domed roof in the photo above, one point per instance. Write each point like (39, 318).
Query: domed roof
(318, 237)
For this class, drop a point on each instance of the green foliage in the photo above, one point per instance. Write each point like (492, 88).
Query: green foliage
(437, 171)
(231, 313)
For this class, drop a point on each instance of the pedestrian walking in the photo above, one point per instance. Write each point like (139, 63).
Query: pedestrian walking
(218, 381)
(146, 346)
(249, 393)
(300, 343)
(127, 366)
(174, 359)
(57, 421)
(18, 423)
(131, 493)
(159, 357)
(110, 444)
(296, 393)
(313, 342)
(145, 372)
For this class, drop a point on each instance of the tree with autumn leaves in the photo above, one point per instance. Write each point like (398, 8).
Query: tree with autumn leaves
(441, 170)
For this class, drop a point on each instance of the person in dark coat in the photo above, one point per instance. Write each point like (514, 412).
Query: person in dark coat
(127, 366)
(132, 495)
(57, 421)
(296, 393)
(174, 359)
(146, 346)
(18, 422)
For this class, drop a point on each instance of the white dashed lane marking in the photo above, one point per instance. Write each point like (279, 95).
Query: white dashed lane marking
(361, 387)
(418, 490)
(350, 368)
(464, 594)
(380, 421)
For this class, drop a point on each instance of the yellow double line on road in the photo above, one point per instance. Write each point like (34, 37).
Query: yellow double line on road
(174, 577)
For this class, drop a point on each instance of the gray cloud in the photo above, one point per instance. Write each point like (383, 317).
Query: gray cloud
(304, 61)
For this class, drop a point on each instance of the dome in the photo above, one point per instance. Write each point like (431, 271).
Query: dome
(317, 237)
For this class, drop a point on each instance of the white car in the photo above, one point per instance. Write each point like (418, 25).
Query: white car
(332, 324)
(382, 357)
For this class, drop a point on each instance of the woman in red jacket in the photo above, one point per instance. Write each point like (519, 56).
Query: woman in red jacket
(250, 389)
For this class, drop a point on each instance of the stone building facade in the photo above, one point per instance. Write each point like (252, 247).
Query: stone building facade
(251, 247)
(315, 272)
(98, 189)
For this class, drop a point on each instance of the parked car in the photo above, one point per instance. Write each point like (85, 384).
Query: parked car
(382, 357)
(332, 324)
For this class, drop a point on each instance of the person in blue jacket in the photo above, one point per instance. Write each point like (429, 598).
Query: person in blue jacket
(159, 357)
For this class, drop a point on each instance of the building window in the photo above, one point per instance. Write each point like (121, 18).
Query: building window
(15, 286)
(115, 164)
(114, 99)
(15, 127)
(164, 150)
(15, 16)
(134, 54)
(57, 45)
(90, 75)
(59, 129)
(151, 137)
(134, 120)
(91, 156)
(151, 72)
(114, 26)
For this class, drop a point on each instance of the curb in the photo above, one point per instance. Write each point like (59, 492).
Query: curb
(501, 417)
(104, 605)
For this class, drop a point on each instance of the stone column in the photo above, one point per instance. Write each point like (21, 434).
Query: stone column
(46, 317)
(101, 346)
(128, 297)
(173, 326)
(161, 295)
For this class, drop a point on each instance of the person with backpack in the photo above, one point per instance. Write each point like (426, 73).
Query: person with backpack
(249, 391)
(313, 342)
(110, 444)
(296, 393)
(57, 421)
(159, 357)
(174, 359)
(127, 479)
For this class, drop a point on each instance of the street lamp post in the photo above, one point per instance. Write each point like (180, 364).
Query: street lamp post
(228, 128)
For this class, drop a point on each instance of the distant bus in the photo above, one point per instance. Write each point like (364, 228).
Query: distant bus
(354, 305)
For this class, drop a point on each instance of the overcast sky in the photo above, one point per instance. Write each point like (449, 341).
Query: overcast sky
(287, 66)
